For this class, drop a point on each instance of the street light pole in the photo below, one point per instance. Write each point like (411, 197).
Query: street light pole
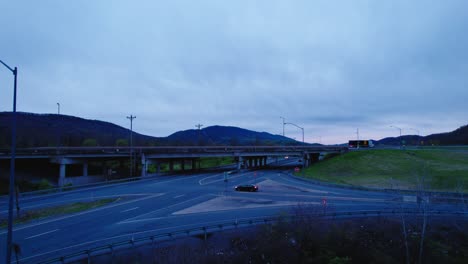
(12, 168)
(58, 108)
(400, 133)
(131, 117)
(299, 128)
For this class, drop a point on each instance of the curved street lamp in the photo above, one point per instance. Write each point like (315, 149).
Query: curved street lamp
(400, 133)
(297, 127)
(12, 167)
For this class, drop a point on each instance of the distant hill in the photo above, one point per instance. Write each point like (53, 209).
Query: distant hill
(226, 135)
(49, 130)
(456, 137)
(46, 130)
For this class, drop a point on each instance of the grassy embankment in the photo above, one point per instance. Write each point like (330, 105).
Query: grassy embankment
(35, 214)
(440, 169)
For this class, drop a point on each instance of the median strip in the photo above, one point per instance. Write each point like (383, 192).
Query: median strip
(36, 214)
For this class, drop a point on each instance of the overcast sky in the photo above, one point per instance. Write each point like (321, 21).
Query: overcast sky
(329, 66)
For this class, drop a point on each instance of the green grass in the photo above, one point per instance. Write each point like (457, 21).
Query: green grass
(27, 216)
(215, 162)
(440, 169)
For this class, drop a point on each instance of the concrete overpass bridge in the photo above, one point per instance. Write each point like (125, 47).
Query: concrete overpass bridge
(185, 156)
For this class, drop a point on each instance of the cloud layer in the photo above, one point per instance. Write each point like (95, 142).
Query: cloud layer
(328, 66)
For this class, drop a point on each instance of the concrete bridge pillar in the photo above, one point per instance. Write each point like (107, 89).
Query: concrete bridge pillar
(171, 165)
(239, 163)
(85, 169)
(257, 162)
(193, 163)
(250, 162)
(182, 164)
(144, 168)
(158, 167)
(62, 174)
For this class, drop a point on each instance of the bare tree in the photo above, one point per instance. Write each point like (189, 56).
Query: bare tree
(423, 200)
(394, 186)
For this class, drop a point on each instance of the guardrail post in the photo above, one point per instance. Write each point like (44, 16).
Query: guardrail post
(89, 256)
(153, 249)
(112, 252)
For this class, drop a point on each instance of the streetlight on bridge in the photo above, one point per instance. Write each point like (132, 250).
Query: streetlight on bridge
(12, 167)
(297, 127)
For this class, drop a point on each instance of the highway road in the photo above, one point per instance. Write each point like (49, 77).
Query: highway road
(170, 203)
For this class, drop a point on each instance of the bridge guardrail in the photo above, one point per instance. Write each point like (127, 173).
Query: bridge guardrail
(166, 149)
(222, 226)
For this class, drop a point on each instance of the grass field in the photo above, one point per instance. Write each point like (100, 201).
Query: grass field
(439, 169)
(29, 215)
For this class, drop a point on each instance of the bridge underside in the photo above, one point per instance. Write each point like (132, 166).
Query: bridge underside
(108, 163)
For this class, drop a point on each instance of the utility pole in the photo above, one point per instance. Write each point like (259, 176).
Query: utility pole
(58, 108)
(284, 123)
(199, 131)
(12, 168)
(131, 117)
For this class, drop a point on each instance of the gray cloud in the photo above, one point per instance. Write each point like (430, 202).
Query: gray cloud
(330, 66)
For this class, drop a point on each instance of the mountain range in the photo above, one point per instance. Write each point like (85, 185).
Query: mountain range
(50, 130)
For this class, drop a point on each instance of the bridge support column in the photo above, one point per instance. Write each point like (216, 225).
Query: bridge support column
(239, 163)
(193, 163)
(144, 168)
(265, 159)
(171, 166)
(257, 162)
(182, 164)
(62, 174)
(85, 169)
(158, 167)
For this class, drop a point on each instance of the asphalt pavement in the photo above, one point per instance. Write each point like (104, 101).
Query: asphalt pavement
(170, 203)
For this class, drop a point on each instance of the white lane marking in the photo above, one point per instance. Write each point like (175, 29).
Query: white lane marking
(201, 182)
(164, 208)
(216, 175)
(177, 179)
(82, 213)
(178, 196)
(45, 233)
(128, 210)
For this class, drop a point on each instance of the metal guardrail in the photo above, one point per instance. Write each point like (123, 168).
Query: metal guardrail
(222, 226)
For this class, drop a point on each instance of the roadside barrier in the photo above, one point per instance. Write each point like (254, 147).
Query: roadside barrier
(223, 226)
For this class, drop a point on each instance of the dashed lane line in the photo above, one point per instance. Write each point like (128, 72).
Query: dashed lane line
(128, 210)
(41, 234)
